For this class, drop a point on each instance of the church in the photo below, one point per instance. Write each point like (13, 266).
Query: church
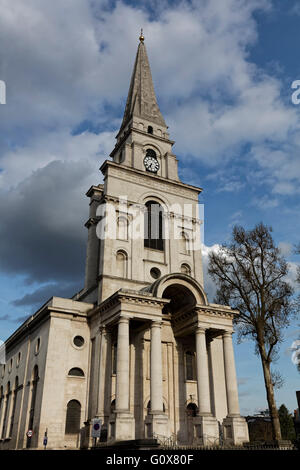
(139, 347)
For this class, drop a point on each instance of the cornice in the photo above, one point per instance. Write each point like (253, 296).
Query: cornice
(153, 177)
(128, 296)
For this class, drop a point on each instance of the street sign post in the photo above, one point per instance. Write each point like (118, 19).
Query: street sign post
(96, 428)
(45, 440)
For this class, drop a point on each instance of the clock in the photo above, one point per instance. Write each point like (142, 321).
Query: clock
(151, 163)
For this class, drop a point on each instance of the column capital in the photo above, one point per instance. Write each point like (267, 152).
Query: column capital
(123, 319)
(156, 324)
(227, 333)
(200, 330)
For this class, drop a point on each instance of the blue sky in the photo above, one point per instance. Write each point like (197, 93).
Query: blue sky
(222, 73)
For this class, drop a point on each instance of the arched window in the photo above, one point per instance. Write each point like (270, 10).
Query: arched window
(191, 409)
(12, 418)
(114, 359)
(121, 264)
(35, 379)
(122, 228)
(185, 269)
(149, 407)
(151, 153)
(153, 226)
(150, 130)
(190, 366)
(73, 417)
(113, 406)
(76, 372)
(184, 243)
(6, 410)
(1, 402)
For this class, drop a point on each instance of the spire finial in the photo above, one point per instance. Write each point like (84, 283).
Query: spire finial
(141, 38)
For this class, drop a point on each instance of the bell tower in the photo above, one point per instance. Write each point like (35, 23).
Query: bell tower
(156, 230)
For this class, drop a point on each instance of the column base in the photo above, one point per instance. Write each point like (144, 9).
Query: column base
(206, 430)
(157, 425)
(122, 426)
(235, 430)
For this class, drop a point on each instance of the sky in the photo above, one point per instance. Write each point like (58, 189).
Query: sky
(222, 72)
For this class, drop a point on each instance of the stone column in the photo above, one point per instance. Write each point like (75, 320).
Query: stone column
(230, 376)
(122, 385)
(156, 369)
(204, 408)
(102, 372)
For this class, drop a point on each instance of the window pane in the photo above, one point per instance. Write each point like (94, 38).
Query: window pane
(73, 417)
(189, 366)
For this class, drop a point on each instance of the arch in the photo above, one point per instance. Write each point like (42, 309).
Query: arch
(1, 401)
(35, 379)
(13, 412)
(121, 263)
(76, 372)
(151, 153)
(154, 226)
(179, 279)
(192, 410)
(185, 269)
(113, 406)
(149, 407)
(150, 130)
(153, 146)
(6, 411)
(153, 196)
(73, 416)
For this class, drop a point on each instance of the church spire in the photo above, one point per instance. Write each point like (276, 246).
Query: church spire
(141, 100)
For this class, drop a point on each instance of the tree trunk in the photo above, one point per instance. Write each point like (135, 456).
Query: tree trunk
(271, 400)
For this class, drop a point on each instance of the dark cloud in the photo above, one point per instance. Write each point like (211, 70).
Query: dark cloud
(42, 294)
(42, 227)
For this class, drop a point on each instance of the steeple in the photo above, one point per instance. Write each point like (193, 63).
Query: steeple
(141, 100)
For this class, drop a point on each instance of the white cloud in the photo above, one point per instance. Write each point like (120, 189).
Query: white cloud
(209, 285)
(265, 202)
(285, 248)
(21, 162)
(67, 62)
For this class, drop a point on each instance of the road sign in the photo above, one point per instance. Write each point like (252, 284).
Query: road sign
(29, 433)
(96, 427)
(45, 441)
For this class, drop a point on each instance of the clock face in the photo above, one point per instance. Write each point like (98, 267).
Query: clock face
(151, 164)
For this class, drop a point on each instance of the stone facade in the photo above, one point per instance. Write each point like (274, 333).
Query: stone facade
(139, 347)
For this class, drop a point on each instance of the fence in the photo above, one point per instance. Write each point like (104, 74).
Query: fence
(171, 443)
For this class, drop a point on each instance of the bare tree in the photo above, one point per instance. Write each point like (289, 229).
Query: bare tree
(250, 275)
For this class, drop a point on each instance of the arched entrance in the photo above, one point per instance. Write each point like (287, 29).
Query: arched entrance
(179, 285)
(182, 299)
(191, 412)
(185, 295)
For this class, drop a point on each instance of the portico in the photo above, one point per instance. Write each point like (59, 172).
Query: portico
(136, 317)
